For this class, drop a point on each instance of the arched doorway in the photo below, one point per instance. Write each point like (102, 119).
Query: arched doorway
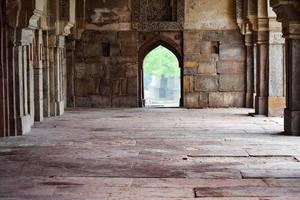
(160, 74)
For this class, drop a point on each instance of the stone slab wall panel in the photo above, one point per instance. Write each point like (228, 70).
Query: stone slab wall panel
(214, 65)
(106, 80)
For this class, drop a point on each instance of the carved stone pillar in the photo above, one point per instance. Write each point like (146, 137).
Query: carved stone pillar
(288, 14)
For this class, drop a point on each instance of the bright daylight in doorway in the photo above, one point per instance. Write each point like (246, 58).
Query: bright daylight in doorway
(162, 85)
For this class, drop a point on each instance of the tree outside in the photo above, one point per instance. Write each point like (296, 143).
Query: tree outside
(161, 78)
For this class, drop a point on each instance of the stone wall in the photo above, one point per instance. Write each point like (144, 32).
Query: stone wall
(212, 49)
(214, 71)
(106, 69)
(214, 55)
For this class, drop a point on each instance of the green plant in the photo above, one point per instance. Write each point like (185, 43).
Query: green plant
(161, 62)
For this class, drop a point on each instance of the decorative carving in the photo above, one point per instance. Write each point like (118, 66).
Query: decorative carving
(158, 15)
(159, 10)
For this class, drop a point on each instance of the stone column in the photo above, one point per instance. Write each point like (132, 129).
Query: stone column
(46, 75)
(3, 49)
(261, 99)
(38, 77)
(56, 74)
(292, 113)
(70, 46)
(249, 68)
(288, 13)
(270, 98)
(276, 67)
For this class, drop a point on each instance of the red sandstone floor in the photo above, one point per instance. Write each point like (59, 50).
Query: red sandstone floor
(152, 154)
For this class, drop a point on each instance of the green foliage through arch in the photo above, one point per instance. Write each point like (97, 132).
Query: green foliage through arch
(161, 62)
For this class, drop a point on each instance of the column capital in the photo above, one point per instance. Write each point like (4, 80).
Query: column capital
(288, 12)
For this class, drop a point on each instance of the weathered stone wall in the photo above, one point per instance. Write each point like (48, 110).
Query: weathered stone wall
(212, 48)
(214, 72)
(210, 14)
(106, 80)
(214, 55)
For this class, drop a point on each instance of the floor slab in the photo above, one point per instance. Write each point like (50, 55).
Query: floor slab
(152, 154)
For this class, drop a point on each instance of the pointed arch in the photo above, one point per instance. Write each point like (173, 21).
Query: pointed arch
(145, 49)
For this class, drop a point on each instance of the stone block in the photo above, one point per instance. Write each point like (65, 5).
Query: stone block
(207, 68)
(129, 49)
(232, 52)
(128, 36)
(230, 67)
(234, 99)
(232, 82)
(208, 58)
(85, 87)
(127, 60)
(206, 83)
(124, 101)
(224, 36)
(212, 35)
(196, 100)
(116, 87)
(82, 101)
(105, 36)
(115, 49)
(115, 71)
(92, 49)
(191, 57)
(226, 99)
(132, 86)
(190, 71)
(192, 36)
(205, 47)
(131, 70)
(203, 100)
(276, 106)
(191, 64)
(191, 100)
(188, 84)
(87, 71)
(100, 101)
(191, 47)
(216, 100)
(105, 87)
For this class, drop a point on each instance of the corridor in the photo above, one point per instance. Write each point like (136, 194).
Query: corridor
(152, 154)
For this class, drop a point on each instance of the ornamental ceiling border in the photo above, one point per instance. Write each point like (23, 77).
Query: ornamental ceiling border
(140, 23)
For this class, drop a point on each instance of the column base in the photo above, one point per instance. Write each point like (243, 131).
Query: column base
(57, 108)
(261, 105)
(24, 125)
(292, 122)
(39, 112)
(249, 100)
(276, 106)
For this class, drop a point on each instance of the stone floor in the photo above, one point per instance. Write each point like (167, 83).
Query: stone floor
(152, 154)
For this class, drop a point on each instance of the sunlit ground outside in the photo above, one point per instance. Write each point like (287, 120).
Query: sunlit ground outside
(162, 85)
